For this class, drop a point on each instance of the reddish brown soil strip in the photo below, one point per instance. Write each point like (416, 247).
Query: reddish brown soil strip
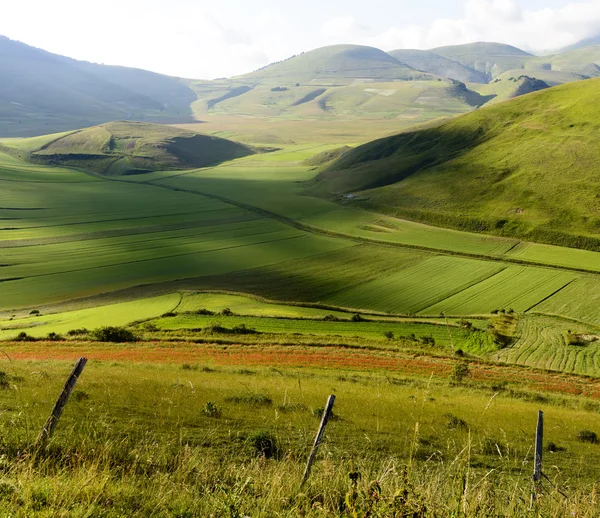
(303, 356)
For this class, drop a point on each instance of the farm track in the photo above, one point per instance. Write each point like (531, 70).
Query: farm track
(316, 230)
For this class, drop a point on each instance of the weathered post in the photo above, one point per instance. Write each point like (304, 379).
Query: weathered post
(313, 452)
(61, 402)
(537, 465)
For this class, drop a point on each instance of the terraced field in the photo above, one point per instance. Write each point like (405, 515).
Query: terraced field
(578, 301)
(541, 344)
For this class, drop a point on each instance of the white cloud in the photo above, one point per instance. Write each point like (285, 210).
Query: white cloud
(501, 21)
(340, 29)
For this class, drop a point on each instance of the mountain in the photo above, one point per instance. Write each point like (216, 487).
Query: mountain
(527, 168)
(125, 148)
(488, 58)
(334, 65)
(432, 63)
(42, 92)
(514, 83)
(586, 42)
(348, 81)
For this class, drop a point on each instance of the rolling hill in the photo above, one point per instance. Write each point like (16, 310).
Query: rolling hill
(42, 93)
(125, 148)
(334, 65)
(526, 168)
(428, 61)
(488, 58)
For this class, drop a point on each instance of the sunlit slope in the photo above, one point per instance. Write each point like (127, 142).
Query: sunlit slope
(526, 168)
(335, 64)
(120, 148)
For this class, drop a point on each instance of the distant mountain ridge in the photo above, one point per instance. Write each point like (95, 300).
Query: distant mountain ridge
(43, 93)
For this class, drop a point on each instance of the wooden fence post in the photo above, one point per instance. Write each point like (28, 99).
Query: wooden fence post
(537, 465)
(313, 452)
(61, 402)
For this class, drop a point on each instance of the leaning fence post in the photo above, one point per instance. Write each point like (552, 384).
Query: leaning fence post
(61, 402)
(313, 452)
(537, 465)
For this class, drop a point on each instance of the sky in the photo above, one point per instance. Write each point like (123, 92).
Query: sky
(205, 40)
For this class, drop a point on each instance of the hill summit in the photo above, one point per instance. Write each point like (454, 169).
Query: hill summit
(340, 64)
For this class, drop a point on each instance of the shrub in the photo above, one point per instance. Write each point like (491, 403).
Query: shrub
(460, 372)
(4, 380)
(53, 337)
(188, 367)
(357, 318)
(24, 337)
(251, 399)
(465, 323)
(241, 329)
(151, 327)
(211, 410)
(459, 352)
(292, 407)
(587, 436)
(226, 312)
(331, 318)
(113, 334)
(77, 332)
(204, 311)
(389, 335)
(428, 340)
(263, 444)
(169, 314)
(455, 422)
(34, 312)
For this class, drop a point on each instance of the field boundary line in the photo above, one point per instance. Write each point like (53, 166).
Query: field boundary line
(359, 239)
(551, 295)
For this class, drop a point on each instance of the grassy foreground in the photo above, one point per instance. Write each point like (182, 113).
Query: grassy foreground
(173, 439)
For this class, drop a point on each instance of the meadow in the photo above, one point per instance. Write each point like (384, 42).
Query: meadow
(146, 436)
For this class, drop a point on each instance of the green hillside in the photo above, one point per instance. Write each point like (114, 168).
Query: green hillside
(334, 65)
(489, 58)
(525, 168)
(438, 65)
(124, 148)
(44, 93)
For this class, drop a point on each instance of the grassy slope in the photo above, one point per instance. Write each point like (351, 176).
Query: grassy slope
(508, 169)
(118, 148)
(336, 64)
(435, 64)
(486, 57)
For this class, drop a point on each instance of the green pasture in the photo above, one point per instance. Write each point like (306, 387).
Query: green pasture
(120, 314)
(517, 287)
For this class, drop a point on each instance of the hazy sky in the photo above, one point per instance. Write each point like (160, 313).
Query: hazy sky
(201, 39)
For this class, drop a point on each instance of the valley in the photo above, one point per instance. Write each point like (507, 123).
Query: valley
(415, 232)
